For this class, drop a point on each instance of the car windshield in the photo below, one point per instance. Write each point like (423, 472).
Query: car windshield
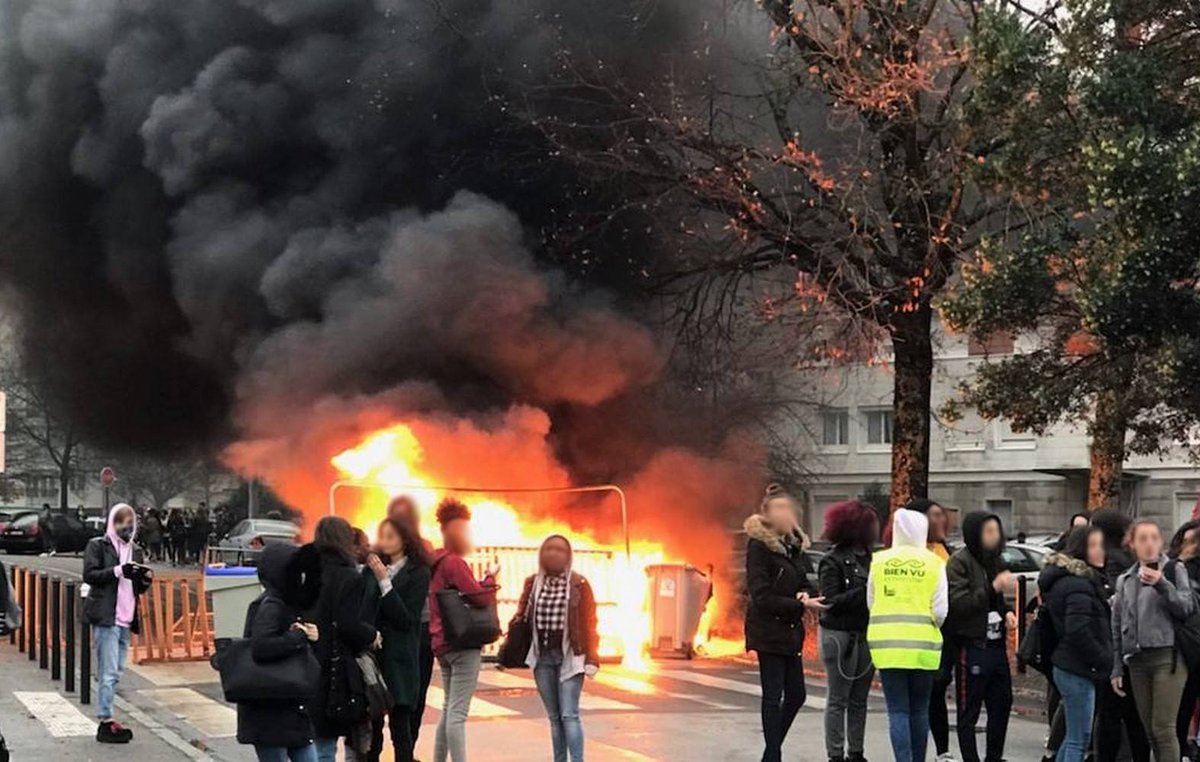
(1018, 562)
(272, 526)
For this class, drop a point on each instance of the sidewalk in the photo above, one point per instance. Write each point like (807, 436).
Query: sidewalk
(40, 722)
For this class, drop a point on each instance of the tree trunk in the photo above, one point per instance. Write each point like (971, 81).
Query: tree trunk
(913, 350)
(1107, 454)
(64, 486)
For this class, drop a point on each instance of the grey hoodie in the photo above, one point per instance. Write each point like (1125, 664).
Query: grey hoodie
(1144, 616)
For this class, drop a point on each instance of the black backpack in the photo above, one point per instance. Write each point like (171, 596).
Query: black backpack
(1187, 632)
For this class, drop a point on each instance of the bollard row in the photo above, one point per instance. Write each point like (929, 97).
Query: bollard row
(52, 632)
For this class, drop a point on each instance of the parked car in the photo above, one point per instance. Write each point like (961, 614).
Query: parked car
(256, 534)
(1024, 561)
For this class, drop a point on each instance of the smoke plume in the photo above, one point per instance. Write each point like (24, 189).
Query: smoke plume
(280, 224)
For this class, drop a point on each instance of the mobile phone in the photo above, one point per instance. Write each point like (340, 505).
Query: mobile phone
(1152, 565)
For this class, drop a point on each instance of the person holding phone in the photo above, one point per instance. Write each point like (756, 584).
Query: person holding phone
(780, 591)
(115, 578)
(1146, 608)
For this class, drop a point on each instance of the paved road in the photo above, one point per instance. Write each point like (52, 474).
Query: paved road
(702, 711)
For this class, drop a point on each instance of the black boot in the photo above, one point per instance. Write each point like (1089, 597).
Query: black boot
(112, 732)
(856, 758)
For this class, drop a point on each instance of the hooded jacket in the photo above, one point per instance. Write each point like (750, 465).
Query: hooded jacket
(970, 573)
(581, 640)
(269, 621)
(111, 598)
(1074, 595)
(910, 529)
(776, 571)
(1144, 616)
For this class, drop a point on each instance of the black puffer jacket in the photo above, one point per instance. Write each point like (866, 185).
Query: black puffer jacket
(340, 618)
(842, 577)
(776, 570)
(1074, 595)
(268, 625)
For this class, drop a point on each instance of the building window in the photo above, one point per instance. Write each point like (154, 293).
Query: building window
(1002, 507)
(999, 343)
(879, 427)
(1007, 439)
(835, 428)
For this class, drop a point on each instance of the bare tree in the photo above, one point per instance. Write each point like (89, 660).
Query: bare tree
(41, 436)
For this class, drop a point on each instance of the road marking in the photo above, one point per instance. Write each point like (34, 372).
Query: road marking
(645, 688)
(61, 718)
(210, 717)
(479, 707)
(506, 680)
(617, 753)
(725, 684)
(592, 703)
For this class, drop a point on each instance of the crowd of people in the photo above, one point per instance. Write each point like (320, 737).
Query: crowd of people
(341, 598)
(179, 535)
(1118, 631)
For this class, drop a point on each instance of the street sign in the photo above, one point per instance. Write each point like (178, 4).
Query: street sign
(107, 476)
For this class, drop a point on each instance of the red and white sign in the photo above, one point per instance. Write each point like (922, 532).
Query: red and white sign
(107, 477)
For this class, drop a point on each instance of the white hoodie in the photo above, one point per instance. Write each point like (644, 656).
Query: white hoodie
(910, 529)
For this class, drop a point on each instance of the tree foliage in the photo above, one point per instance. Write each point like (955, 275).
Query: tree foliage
(1107, 285)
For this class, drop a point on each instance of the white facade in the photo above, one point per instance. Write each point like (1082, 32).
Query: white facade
(1035, 483)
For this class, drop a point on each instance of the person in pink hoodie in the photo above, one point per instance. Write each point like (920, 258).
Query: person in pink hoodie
(115, 578)
(459, 663)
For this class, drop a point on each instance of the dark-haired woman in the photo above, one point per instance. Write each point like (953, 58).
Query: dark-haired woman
(853, 528)
(561, 608)
(1185, 551)
(780, 591)
(459, 663)
(338, 615)
(404, 509)
(397, 581)
(1076, 599)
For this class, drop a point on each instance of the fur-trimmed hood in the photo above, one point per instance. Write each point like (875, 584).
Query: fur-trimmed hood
(757, 528)
(1060, 566)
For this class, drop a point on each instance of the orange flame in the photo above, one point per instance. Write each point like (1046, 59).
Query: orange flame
(392, 461)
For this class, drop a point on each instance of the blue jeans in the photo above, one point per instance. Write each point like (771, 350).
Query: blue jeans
(1079, 703)
(306, 753)
(112, 649)
(907, 693)
(561, 699)
(326, 749)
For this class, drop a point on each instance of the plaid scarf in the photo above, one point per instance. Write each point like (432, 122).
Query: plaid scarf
(550, 609)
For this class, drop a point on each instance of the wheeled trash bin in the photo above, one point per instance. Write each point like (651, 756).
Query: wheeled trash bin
(678, 595)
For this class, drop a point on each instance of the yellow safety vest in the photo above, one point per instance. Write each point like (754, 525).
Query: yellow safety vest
(902, 632)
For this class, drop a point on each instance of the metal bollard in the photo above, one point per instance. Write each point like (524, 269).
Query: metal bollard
(31, 613)
(56, 629)
(1022, 591)
(14, 576)
(19, 591)
(85, 661)
(70, 601)
(43, 614)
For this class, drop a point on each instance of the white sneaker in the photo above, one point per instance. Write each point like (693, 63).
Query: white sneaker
(947, 757)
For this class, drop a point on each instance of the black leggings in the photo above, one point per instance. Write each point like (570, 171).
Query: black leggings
(426, 658)
(1191, 694)
(783, 693)
(1114, 714)
(939, 715)
(400, 723)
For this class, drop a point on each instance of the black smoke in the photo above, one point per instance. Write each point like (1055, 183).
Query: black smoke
(214, 208)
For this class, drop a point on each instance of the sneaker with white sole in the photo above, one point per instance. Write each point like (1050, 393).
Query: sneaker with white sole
(947, 757)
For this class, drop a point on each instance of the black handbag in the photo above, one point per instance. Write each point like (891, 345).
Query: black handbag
(517, 642)
(1039, 642)
(465, 625)
(346, 696)
(245, 679)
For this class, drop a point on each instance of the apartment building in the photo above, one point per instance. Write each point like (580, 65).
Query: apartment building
(1034, 483)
